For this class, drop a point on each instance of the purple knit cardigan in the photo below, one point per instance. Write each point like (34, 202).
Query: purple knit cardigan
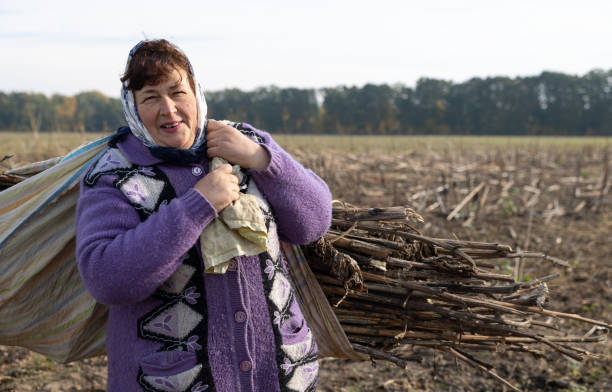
(171, 327)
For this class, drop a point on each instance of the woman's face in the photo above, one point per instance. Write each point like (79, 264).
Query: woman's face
(169, 111)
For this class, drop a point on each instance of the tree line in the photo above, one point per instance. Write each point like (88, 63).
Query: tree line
(547, 104)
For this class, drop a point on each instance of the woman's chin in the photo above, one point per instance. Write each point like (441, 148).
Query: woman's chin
(175, 140)
(182, 144)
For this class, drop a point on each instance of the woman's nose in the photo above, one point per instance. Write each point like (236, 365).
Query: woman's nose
(167, 105)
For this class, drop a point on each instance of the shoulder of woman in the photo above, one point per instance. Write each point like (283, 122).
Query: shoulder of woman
(111, 162)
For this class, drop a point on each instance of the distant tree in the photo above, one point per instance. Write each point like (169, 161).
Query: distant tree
(64, 109)
(96, 112)
(230, 104)
(431, 98)
(299, 110)
(406, 107)
(337, 111)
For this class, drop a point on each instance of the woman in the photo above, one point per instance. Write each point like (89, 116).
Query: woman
(143, 207)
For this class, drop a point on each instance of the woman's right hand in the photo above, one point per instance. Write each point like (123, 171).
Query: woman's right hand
(219, 187)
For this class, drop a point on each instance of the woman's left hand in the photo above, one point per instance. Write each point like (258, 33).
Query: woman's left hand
(226, 142)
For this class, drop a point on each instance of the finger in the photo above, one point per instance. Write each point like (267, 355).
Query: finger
(217, 152)
(210, 143)
(216, 126)
(213, 152)
(213, 125)
(211, 134)
(225, 131)
(215, 142)
(225, 168)
(230, 179)
(216, 139)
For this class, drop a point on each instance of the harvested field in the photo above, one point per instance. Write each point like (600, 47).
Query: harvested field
(547, 195)
(530, 194)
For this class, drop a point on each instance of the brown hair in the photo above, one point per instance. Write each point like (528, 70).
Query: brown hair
(153, 62)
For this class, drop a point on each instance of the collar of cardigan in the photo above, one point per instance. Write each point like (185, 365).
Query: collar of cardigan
(137, 152)
(132, 146)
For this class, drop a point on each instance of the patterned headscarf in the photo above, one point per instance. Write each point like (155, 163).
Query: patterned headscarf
(135, 123)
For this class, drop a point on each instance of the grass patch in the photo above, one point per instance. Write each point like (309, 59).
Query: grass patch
(27, 147)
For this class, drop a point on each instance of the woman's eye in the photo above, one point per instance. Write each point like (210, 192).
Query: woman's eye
(149, 98)
(180, 92)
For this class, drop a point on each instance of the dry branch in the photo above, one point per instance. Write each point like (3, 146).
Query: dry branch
(469, 197)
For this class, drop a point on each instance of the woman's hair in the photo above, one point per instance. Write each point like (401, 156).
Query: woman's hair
(153, 62)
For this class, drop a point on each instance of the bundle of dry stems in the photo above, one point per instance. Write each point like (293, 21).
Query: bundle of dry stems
(391, 287)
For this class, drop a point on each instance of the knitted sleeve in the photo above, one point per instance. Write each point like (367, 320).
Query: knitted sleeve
(123, 259)
(300, 200)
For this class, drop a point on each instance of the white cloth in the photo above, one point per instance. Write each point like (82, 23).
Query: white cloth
(240, 230)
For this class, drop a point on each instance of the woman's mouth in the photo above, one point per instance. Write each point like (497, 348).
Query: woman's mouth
(171, 126)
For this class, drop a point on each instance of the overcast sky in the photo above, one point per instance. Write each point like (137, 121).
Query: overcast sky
(71, 46)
